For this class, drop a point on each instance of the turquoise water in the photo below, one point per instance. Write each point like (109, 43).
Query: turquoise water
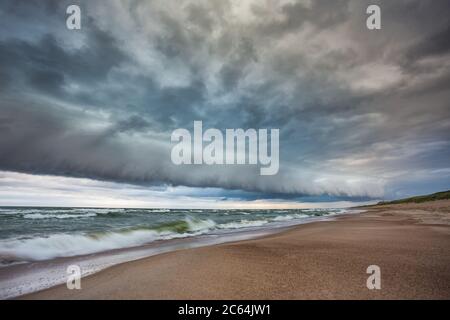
(34, 234)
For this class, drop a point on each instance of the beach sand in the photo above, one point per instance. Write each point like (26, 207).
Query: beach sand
(320, 260)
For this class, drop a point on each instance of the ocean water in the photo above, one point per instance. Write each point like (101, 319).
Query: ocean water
(39, 234)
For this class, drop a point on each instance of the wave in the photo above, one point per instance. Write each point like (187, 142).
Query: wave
(67, 245)
(243, 224)
(15, 211)
(261, 222)
(290, 217)
(188, 224)
(30, 213)
(156, 210)
(40, 247)
(57, 216)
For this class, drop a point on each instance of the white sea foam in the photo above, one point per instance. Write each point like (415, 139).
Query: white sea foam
(59, 245)
(67, 245)
(4, 211)
(41, 246)
(58, 216)
(200, 225)
(242, 224)
(158, 210)
(290, 217)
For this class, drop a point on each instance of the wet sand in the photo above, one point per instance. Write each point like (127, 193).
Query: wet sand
(320, 260)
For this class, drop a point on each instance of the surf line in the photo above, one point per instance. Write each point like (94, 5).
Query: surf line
(241, 147)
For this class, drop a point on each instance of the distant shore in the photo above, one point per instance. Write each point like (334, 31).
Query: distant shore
(320, 260)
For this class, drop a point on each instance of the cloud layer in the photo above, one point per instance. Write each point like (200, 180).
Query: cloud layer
(361, 113)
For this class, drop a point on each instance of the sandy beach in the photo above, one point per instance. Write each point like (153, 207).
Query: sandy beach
(319, 260)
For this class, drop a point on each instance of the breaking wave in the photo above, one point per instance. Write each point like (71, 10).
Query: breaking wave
(58, 216)
(243, 224)
(67, 245)
(47, 239)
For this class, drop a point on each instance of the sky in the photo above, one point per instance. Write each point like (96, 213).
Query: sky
(86, 115)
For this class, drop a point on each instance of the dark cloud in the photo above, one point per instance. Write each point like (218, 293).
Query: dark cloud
(322, 13)
(359, 111)
(132, 124)
(47, 63)
(435, 45)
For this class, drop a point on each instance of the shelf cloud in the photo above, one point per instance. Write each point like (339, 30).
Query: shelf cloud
(362, 113)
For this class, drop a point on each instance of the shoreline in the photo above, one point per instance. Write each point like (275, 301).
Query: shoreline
(22, 279)
(319, 260)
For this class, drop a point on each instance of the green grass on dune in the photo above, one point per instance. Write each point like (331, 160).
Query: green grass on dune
(430, 197)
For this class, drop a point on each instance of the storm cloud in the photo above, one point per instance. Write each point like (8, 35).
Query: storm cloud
(361, 113)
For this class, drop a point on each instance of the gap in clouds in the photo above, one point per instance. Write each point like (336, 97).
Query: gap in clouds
(53, 191)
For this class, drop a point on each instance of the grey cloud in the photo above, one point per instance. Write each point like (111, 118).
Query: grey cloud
(436, 44)
(105, 109)
(200, 16)
(47, 143)
(321, 13)
(133, 123)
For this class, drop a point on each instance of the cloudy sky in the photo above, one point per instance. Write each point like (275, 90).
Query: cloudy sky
(86, 115)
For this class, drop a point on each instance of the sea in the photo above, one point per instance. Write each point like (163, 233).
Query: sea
(37, 243)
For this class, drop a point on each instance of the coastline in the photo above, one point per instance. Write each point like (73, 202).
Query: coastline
(25, 278)
(317, 260)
